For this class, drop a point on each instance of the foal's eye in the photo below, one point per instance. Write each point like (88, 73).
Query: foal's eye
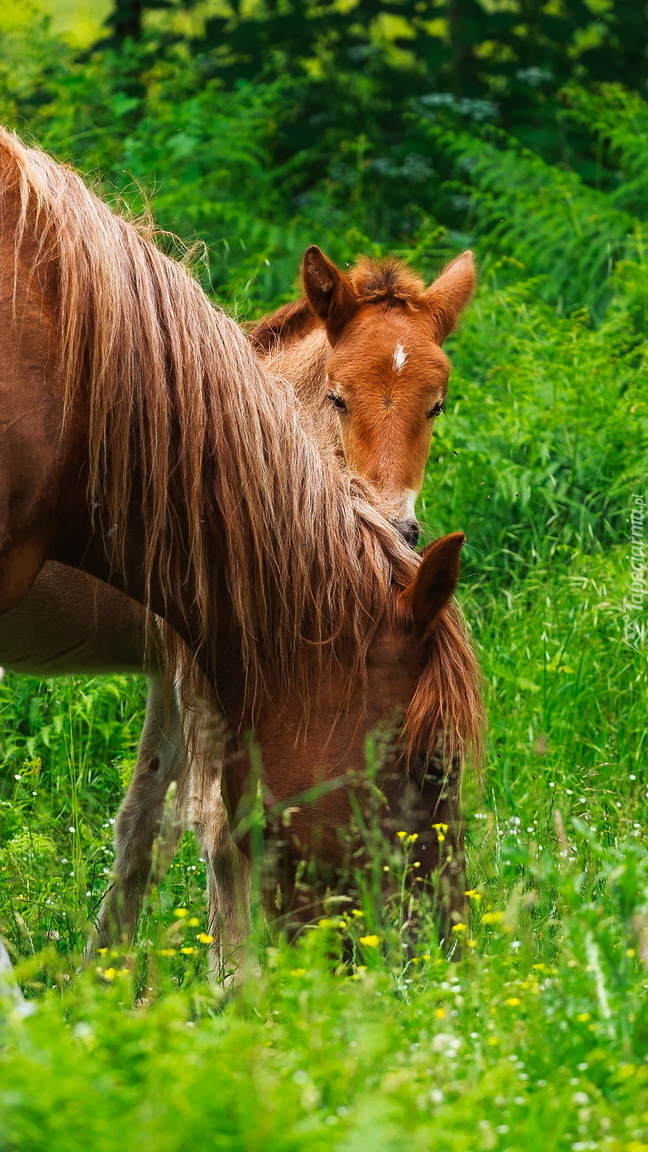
(437, 410)
(337, 401)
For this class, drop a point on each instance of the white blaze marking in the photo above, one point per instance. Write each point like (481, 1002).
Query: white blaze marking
(400, 357)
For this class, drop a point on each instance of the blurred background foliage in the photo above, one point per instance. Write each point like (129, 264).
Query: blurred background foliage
(403, 126)
(517, 53)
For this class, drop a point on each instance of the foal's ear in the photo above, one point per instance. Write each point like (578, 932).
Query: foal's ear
(447, 297)
(328, 291)
(435, 582)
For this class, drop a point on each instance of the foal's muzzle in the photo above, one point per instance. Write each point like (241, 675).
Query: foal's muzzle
(409, 530)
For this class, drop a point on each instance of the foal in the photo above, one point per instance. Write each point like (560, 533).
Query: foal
(363, 350)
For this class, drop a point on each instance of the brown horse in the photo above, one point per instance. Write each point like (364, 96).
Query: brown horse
(143, 445)
(70, 623)
(364, 351)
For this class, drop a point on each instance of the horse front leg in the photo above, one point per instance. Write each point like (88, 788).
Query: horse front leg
(228, 893)
(150, 822)
(228, 868)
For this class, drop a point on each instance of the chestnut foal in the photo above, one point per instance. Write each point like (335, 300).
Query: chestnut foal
(363, 350)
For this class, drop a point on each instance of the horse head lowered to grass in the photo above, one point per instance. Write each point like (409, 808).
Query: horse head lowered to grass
(364, 350)
(143, 444)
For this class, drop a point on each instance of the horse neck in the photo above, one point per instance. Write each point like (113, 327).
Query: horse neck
(302, 362)
(212, 667)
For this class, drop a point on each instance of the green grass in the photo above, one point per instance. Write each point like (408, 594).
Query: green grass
(534, 1034)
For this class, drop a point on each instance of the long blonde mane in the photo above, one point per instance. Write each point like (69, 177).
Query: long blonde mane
(230, 481)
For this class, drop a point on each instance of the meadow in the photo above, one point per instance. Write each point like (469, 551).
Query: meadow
(533, 1033)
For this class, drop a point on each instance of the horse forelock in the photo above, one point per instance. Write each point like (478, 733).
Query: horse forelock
(388, 280)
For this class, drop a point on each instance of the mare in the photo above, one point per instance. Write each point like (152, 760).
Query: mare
(70, 623)
(145, 446)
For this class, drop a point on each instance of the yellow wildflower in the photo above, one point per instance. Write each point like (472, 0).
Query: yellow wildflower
(370, 941)
(298, 972)
(531, 985)
(458, 928)
(205, 938)
(180, 913)
(401, 835)
(473, 894)
(356, 912)
(492, 1041)
(188, 951)
(513, 1001)
(193, 921)
(109, 973)
(492, 917)
(440, 1013)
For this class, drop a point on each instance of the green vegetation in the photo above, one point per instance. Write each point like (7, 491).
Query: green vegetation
(535, 1036)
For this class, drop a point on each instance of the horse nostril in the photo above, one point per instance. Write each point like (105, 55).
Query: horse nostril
(409, 530)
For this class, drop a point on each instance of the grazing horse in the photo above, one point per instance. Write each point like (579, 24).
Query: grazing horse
(70, 623)
(143, 445)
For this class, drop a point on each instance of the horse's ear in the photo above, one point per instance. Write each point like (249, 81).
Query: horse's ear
(329, 291)
(435, 582)
(447, 297)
